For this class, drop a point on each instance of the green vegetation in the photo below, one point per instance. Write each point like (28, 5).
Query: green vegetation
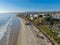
(41, 23)
(50, 33)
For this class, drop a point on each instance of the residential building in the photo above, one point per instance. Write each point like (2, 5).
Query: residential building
(56, 16)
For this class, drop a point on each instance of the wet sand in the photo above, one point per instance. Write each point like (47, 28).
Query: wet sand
(15, 28)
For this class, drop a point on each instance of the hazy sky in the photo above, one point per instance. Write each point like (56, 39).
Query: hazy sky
(29, 5)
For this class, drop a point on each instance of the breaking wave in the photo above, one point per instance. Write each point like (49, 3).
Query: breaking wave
(4, 29)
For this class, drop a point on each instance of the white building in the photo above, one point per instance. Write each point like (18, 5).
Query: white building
(35, 15)
(31, 18)
(31, 15)
(56, 16)
(42, 14)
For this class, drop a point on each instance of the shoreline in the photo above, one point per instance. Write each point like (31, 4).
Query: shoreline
(15, 28)
(5, 33)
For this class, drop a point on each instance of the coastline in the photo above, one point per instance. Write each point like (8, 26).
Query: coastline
(15, 28)
(5, 33)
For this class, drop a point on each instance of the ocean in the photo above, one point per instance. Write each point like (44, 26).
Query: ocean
(5, 27)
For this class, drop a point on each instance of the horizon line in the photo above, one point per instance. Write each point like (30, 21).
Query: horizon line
(26, 11)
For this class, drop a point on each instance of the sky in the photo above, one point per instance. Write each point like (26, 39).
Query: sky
(29, 5)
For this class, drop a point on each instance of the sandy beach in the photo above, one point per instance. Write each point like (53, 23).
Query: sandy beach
(27, 35)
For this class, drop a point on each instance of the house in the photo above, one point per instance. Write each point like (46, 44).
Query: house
(44, 15)
(56, 16)
(35, 15)
(31, 15)
(31, 18)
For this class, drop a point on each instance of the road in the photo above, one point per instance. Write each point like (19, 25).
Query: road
(27, 35)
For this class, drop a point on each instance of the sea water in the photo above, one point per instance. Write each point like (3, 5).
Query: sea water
(5, 23)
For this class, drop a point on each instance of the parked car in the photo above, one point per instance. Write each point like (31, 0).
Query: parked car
(27, 23)
(41, 37)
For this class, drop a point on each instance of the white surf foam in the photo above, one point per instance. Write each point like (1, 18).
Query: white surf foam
(4, 29)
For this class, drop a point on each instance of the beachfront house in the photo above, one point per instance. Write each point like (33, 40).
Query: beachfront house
(35, 15)
(32, 16)
(42, 15)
